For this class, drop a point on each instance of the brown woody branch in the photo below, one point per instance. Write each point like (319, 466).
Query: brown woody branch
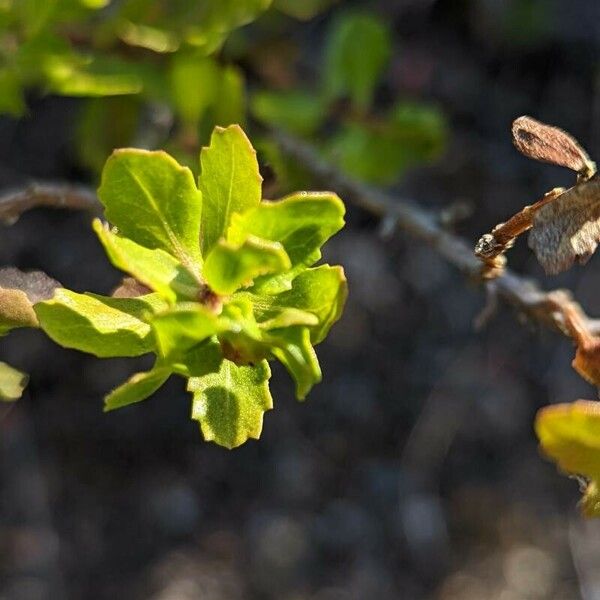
(14, 203)
(546, 308)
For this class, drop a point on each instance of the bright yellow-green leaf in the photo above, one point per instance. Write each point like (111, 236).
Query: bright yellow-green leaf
(570, 435)
(301, 222)
(156, 268)
(292, 347)
(154, 201)
(184, 326)
(99, 325)
(320, 291)
(229, 267)
(230, 182)
(12, 383)
(230, 404)
(137, 388)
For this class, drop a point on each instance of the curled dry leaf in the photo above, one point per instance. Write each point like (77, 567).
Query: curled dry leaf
(564, 224)
(552, 145)
(567, 229)
(19, 291)
(587, 355)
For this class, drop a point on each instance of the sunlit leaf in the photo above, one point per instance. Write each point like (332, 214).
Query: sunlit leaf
(156, 268)
(293, 348)
(137, 388)
(99, 325)
(154, 201)
(230, 403)
(230, 182)
(12, 383)
(229, 267)
(570, 435)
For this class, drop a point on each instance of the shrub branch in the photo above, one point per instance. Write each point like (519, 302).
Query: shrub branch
(546, 308)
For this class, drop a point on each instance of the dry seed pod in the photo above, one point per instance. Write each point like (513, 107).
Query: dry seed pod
(568, 228)
(552, 145)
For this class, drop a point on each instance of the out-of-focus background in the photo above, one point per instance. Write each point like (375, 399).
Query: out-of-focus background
(412, 471)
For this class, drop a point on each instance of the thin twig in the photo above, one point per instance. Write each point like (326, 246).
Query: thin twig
(14, 203)
(547, 308)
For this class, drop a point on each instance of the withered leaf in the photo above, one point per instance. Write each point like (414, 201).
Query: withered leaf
(19, 291)
(35, 284)
(568, 228)
(550, 144)
(587, 355)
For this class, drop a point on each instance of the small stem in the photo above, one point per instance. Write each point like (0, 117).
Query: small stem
(14, 203)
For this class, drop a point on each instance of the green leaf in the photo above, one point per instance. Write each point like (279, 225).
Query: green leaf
(230, 403)
(570, 435)
(301, 222)
(296, 111)
(229, 267)
(154, 201)
(294, 350)
(183, 327)
(199, 360)
(12, 383)
(320, 291)
(230, 182)
(137, 388)
(357, 52)
(156, 268)
(99, 325)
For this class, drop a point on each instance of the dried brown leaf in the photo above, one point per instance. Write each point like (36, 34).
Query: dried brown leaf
(550, 144)
(587, 355)
(19, 291)
(568, 228)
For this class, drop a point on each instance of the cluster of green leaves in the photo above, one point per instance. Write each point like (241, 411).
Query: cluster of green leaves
(227, 283)
(374, 147)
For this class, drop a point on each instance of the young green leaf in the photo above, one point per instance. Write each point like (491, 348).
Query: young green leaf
(320, 291)
(99, 325)
(156, 268)
(12, 383)
(137, 388)
(301, 222)
(229, 267)
(293, 349)
(570, 435)
(230, 182)
(154, 201)
(183, 327)
(230, 403)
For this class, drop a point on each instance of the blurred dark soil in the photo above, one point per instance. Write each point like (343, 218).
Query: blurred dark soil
(412, 471)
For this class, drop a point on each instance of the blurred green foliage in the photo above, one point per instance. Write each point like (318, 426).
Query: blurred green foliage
(157, 73)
